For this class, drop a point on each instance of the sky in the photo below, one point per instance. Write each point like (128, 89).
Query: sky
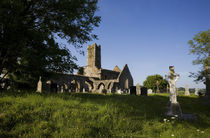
(150, 36)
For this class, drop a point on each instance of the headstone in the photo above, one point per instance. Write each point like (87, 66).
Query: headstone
(144, 91)
(39, 85)
(196, 91)
(116, 89)
(149, 91)
(173, 107)
(62, 89)
(65, 87)
(187, 92)
(58, 88)
(48, 85)
(77, 90)
(138, 89)
(119, 91)
(133, 90)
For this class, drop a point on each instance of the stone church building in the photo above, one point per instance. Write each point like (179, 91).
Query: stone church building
(92, 78)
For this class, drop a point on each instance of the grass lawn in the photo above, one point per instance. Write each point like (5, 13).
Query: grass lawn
(95, 115)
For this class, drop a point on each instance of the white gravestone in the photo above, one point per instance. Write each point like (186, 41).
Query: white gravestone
(119, 91)
(62, 90)
(196, 91)
(149, 91)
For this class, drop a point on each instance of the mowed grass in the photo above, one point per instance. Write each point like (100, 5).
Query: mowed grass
(95, 115)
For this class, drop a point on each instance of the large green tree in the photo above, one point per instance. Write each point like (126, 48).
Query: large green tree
(200, 46)
(155, 82)
(30, 30)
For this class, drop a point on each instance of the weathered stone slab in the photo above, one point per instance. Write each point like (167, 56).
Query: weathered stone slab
(138, 89)
(189, 117)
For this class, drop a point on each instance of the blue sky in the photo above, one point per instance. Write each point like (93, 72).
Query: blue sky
(149, 36)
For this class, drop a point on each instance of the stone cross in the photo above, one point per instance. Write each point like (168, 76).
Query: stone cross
(173, 107)
(187, 92)
(138, 89)
(173, 77)
(39, 85)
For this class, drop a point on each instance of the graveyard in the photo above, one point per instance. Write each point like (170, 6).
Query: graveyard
(97, 115)
(92, 68)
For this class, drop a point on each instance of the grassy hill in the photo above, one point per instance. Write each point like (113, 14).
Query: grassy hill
(94, 115)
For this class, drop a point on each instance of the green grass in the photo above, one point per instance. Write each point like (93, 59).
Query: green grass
(94, 115)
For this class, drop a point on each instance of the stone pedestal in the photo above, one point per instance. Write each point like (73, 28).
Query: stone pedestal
(173, 109)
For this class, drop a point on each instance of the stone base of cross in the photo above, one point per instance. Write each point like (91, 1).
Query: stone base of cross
(173, 109)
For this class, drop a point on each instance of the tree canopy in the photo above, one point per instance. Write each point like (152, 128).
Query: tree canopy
(200, 46)
(29, 30)
(155, 82)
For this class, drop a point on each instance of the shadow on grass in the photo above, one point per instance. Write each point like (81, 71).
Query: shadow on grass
(136, 107)
(153, 107)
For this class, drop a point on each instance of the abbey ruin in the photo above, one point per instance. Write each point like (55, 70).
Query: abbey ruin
(92, 78)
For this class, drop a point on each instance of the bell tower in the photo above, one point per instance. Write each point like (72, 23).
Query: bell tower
(94, 56)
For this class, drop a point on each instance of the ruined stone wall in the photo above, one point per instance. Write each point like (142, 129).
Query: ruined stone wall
(108, 85)
(109, 74)
(92, 78)
(92, 72)
(68, 83)
(125, 78)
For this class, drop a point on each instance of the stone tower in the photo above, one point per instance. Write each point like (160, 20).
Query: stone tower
(94, 56)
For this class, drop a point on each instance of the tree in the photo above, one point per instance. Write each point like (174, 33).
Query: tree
(200, 46)
(29, 33)
(155, 82)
